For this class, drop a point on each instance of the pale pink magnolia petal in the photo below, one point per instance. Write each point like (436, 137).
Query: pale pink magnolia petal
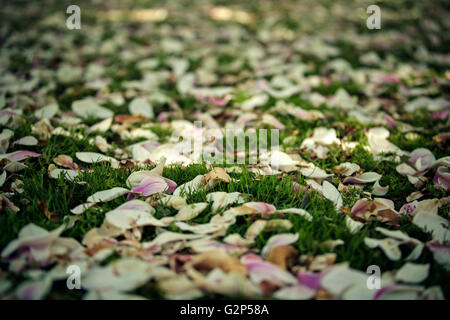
(101, 126)
(207, 244)
(408, 208)
(261, 207)
(314, 172)
(283, 239)
(172, 201)
(441, 254)
(272, 121)
(405, 169)
(27, 141)
(341, 277)
(297, 292)
(395, 239)
(346, 168)
(310, 279)
(231, 284)
(102, 144)
(150, 185)
(378, 142)
(137, 205)
(352, 225)
(190, 211)
(444, 161)
(15, 167)
(442, 178)
(6, 203)
(433, 223)
(441, 114)
(107, 195)
(221, 102)
(260, 270)
(88, 107)
(79, 209)
(366, 177)
(122, 275)
(331, 193)
(378, 190)
(412, 272)
(68, 174)
(111, 295)
(224, 199)
(255, 229)
(415, 195)
(2, 178)
(217, 225)
(390, 122)
(422, 158)
(430, 206)
(389, 246)
(398, 292)
(34, 290)
(168, 237)
(297, 211)
(5, 136)
(19, 155)
(65, 161)
(136, 177)
(93, 157)
(129, 219)
(34, 241)
(278, 225)
(314, 185)
(190, 186)
(236, 239)
(363, 207)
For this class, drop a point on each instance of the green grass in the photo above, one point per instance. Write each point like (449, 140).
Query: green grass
(61, 195)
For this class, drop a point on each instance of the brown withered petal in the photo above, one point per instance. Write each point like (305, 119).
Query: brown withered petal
(50, 215)
(212, 259)
(129, 119)
(283, 256)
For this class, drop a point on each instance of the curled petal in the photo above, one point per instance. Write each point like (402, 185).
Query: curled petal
(422, 159)
(366, 177)
(441, 253)
(19, 155)
(260, 271)
(442, 178)
(279, 240)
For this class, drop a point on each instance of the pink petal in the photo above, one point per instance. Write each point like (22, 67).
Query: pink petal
(22, 155)
(261, 207)
(297, 292)
(366, 177)
(422, 158)
(219, 101)
(390, 122)
(283, 239)
(441, 253)
(360, 207)
(149, 186)
(171, 184)
(260, 270)
(311, 280)
(442, 178)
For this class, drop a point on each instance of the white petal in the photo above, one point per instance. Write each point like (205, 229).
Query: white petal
(142, 107)
(190, 211)
(331, 193)
(412, 272)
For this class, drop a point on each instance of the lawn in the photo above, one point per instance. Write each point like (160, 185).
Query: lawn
(100, 167)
